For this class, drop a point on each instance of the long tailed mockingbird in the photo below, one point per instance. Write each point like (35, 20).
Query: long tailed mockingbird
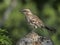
(34, 20)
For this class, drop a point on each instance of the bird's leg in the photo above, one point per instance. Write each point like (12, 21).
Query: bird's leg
(33, 29)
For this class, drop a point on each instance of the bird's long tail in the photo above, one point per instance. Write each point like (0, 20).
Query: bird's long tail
(50, 29)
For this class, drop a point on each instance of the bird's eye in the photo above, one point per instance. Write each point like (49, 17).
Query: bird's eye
(24, 11)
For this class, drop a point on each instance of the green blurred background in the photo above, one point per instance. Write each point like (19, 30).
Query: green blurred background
(13, 25)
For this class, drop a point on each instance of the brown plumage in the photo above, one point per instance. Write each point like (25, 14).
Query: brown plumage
(36, 39)
(35, 21)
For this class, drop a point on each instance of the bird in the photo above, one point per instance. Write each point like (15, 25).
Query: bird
(34, 21)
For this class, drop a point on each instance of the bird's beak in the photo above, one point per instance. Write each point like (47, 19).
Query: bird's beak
(21, 11)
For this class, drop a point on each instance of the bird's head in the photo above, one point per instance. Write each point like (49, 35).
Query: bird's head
(26, 11)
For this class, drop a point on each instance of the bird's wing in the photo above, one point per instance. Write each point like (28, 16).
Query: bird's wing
(36, 20)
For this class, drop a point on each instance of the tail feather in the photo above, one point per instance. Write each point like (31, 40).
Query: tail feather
(50, 29)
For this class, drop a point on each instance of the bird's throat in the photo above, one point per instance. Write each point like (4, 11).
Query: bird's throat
(29, 13)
